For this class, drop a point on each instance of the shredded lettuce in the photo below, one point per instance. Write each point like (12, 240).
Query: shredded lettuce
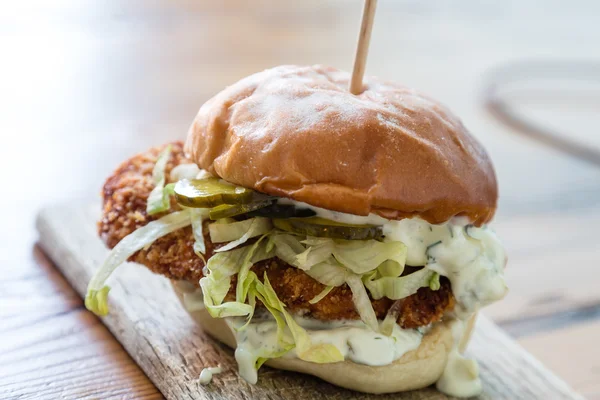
(287, 248)
(230, 262)
(321, 353)
(390, 268)
(218, 289)
(270, 243)
(434, 282)
(321, 295)
(237, 233)
(214, 293)
(198, 216)
(97, 292)
(228, 229)
(358, 256)
(262, 358)
(243, 284)
(361, 256)
(362, 302)
(159, 200)
(335, 262)
(387, 326)
(216, 285)
(97, 300)
(329, 273)
(251, 303)
(224, 265)
(318, 353)
(396, 288)
(319, 250)
(389, 322)
(257, 291)
(271, 302)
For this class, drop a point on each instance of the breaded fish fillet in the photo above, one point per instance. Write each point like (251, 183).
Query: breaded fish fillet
(124, 199)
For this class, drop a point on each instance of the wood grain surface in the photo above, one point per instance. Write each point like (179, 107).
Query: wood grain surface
(148, 320)
(49, 338)
(86, 84)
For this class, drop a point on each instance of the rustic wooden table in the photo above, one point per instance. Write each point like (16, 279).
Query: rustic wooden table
(86, 84)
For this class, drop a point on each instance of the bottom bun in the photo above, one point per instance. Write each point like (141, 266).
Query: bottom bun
(414, 370)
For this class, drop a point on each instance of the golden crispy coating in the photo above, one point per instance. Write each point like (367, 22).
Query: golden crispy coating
(296, 289)
(125, 194)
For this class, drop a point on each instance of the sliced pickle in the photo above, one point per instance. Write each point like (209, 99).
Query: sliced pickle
(210, 192)
(321, 227)
(231, 210)
(282, 211)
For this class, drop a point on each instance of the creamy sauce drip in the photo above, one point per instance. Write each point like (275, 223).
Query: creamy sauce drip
(461, 375)
(472, 258)
(207, 374)
(356, 341)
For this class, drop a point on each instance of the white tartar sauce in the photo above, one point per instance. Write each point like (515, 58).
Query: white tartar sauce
(207, 374)
(472, 258)
(184, 171)
(461, 375)
(188, 171)
(355, 341)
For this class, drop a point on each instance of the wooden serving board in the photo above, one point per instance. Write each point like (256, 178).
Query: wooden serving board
(148, 320)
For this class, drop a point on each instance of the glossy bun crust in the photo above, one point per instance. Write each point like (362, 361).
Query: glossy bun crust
(297, 132)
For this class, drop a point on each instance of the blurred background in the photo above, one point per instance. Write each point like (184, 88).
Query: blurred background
(107, 79)
(86, 84)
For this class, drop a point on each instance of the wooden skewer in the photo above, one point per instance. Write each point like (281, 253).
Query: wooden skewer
(362, 48)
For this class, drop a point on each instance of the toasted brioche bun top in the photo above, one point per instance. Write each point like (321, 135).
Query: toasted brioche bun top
(297, 132)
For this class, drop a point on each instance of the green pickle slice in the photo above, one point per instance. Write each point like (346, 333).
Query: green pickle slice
(315, 226)
(210, 192)
(282, 211)
(231, 210)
